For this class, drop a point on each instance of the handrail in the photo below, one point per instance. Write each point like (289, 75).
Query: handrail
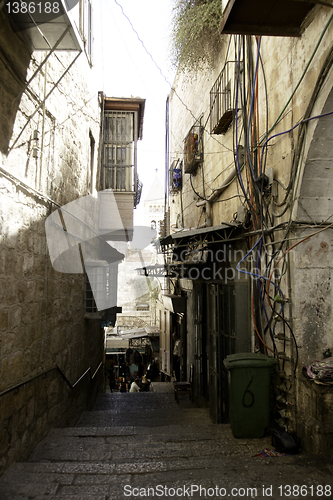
(57, 368)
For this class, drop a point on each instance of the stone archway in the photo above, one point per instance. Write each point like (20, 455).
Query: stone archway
(315, 203)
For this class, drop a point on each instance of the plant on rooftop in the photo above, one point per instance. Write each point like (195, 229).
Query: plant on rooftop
(195, 36)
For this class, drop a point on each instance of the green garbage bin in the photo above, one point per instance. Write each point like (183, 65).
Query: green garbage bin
(249, 393)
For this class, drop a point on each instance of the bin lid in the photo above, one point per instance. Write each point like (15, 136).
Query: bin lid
(248, 359)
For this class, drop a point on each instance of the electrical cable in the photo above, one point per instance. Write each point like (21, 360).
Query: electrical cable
(220, 78)
(195, 192)
(303, 74)
(236, 147)
(262, 299)
(231, 198)
(164, 77)
(292, 128)
(287, 251)
(299, 150)
(256, 275)
(250, 114)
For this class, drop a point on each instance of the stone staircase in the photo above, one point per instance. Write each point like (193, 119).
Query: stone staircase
(145, 445)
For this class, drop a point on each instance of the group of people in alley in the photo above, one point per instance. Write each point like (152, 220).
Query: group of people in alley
(134, 375)
(133, 372)
(126, 384)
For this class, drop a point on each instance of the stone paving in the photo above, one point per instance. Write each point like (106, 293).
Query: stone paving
(145, 445)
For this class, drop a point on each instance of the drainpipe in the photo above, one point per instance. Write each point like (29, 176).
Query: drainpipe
(43, 131)
(212, 197)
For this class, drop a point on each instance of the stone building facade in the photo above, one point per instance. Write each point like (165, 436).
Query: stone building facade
(49, 147)
(138, 293)
(154, 206)
(249, 266)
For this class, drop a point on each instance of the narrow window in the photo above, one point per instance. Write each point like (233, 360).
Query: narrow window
(90, 304)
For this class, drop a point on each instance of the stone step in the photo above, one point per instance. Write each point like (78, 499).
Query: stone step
(181, 449)
(123, 448)
(68, 480)
(143, 410)
(109, 418)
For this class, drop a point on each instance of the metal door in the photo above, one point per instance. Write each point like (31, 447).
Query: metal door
(201, 359)
(221, 331)
(197, 375)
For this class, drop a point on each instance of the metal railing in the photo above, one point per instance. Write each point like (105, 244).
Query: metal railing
(221, 100)
(55, 368)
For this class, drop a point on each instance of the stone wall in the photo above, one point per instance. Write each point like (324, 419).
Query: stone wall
(135, 290)
(138, 319)
(284, 61)
(288, 71)
(42, 312)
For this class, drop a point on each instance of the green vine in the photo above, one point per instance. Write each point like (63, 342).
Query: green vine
(195, 35)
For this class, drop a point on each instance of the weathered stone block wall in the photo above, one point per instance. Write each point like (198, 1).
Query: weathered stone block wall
(42, 311)
(138, 319)
(315, 422)
(283, 61)
(291, 69)
(134, 289)
(312, 295)
(14, 62)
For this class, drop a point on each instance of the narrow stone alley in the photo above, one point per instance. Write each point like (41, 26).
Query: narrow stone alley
(137, 445)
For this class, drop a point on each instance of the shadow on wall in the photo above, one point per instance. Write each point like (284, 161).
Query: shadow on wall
(15, 58)
(42, 324)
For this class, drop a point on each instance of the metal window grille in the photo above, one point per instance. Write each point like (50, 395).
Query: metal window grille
(90, 304)
(101, 286)
(221, 100)
(118, 161)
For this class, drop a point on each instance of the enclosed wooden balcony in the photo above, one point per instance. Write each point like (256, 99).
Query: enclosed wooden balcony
(122, 128)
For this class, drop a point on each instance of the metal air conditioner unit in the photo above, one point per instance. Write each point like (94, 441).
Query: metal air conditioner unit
(175, 176)
(193, 149)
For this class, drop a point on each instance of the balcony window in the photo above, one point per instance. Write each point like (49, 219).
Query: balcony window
(118, 160)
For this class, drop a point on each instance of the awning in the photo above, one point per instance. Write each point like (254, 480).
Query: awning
(266, 17)
(127, 104)
(209, 234)
(174, 303)
(39, 27)
(155, 270)
(116, 343)
(114, 351)
(139, 333)
(134, 333)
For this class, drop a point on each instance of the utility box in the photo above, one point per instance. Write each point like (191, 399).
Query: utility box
(249, 393)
